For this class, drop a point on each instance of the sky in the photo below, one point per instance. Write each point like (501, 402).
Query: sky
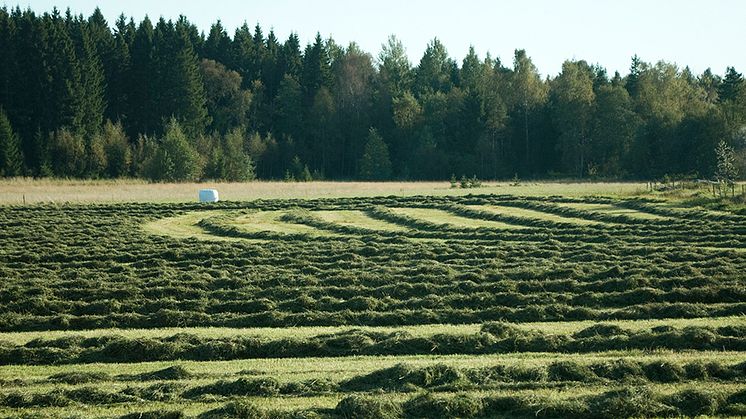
(700, 34)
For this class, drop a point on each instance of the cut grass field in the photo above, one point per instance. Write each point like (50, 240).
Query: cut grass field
(510, 305)
(424, 330)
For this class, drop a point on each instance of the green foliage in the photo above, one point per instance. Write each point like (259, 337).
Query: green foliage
(375, 163)
(439, 117)
(173, 158)
(10, 153)
(235, 163)
(117, 149)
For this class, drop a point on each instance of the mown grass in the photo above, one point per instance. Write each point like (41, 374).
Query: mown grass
(437, 216)
(358, 219)
(184, 226)
(424, 330)
(612, 210)
(522, 212)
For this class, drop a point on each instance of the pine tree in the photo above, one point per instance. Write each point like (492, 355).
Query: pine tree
(10, 153)
(375, 163)
(731, 85)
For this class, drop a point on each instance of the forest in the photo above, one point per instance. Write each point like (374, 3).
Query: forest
(80, 98)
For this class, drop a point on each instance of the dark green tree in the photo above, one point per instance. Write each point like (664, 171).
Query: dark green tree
(375, 163)
(10, 153)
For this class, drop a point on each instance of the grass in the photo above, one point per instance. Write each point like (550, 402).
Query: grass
(567, 327)
(527, 213)
(354, 218)
(18, 190)
(612, 210)
(438, 216)
(184, 226)
(260, 221)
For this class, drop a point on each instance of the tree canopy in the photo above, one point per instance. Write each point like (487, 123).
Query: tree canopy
(80, 97)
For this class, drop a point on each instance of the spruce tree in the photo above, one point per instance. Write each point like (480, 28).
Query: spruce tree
(218, 45)
(375, 163)
(142, 115)
(10, 153)
(91, 96)
(731, 85)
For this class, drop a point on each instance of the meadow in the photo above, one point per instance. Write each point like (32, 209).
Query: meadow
(369, 300)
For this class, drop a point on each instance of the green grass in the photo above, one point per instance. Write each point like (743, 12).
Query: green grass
(527, 213)
(269, 221)
(359, 219)
(438, 216)
(424, 330)
(612, 210)
(184, 226)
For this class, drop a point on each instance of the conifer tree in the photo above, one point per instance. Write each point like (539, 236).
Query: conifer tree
(10, 153)
(375, 163)
(731, 85)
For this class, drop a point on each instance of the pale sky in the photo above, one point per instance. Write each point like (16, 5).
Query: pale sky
(700, 34)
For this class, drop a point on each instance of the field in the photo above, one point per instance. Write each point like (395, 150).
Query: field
(581, 301)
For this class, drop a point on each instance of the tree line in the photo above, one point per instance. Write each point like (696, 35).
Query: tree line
(160, 100)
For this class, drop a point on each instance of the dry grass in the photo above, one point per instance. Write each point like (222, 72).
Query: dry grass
(15, 191)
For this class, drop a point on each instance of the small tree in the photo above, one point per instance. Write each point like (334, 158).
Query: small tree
(375, 163)
(175, 158)
(726, 172)
(10, 154)
(236, 164)
(117, 149)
